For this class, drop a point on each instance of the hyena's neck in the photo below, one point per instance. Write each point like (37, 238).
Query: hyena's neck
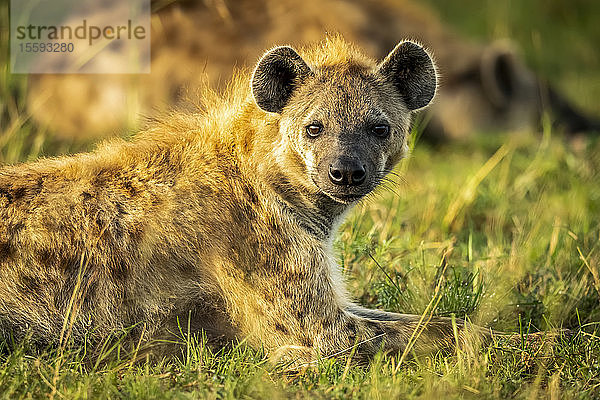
(281, 171)
(315, 220)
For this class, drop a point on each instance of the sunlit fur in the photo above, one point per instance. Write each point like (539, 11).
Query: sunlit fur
(205, 220)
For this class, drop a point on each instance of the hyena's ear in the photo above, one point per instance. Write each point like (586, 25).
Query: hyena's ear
(276, 76)
(412, 71)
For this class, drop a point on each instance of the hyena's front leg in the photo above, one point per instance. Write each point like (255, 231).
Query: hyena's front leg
(427, 335)
(363, 332)
(421, 333)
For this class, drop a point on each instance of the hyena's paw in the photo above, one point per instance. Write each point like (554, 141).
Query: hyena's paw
(293, 358)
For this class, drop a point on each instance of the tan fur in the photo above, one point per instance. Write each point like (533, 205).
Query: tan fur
(207, 217)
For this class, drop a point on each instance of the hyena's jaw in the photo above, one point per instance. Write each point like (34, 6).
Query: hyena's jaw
(346, 200)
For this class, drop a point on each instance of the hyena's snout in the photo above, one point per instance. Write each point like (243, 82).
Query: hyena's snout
(347, 171)
(345, 178)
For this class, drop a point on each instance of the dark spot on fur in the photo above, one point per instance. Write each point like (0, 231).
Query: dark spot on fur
(269, 296)
(232, 170)
(251, 194)
(19, 193)
(86, 287)
(300, 315)
(203, 190)
(86, 196)
(137, 233)
(286, 287)
(44, 257)
(247, 143)
(166, 157)
(156, 200)
(15, 228)
(130, 188)
(99, 180)
(326, 323)
(351, 327)
(306, 341)
(248, 212)
(70, 264)
(30, 283)
(120, 208)
(104, 176)
(120, 271)
(5, 193)
(376, 327)
(279, 327)
(100, 223)
(275, 229)
(6, 250)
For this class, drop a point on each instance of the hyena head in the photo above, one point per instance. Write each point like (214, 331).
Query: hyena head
(343, 119)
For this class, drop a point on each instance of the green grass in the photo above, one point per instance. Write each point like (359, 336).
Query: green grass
(515, 217)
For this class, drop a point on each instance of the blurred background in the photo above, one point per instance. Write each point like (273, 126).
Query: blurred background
(557, 39)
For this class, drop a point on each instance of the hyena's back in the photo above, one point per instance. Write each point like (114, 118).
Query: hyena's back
(101, 236)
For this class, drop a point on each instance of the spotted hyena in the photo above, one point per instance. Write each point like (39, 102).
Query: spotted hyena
(224, 219)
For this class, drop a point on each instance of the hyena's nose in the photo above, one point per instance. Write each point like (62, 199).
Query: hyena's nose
(347, 172)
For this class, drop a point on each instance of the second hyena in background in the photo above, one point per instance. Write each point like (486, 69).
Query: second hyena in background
(224, 219)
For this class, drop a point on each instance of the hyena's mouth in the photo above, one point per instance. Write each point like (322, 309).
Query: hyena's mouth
(343, 194)
(345, 198)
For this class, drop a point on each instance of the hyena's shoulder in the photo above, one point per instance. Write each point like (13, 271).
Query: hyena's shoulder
(80, 196)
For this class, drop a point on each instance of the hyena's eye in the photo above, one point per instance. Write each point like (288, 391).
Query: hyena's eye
(314, 130)
(381, 130)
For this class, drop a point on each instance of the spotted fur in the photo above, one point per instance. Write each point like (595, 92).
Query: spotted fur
(222, 218)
